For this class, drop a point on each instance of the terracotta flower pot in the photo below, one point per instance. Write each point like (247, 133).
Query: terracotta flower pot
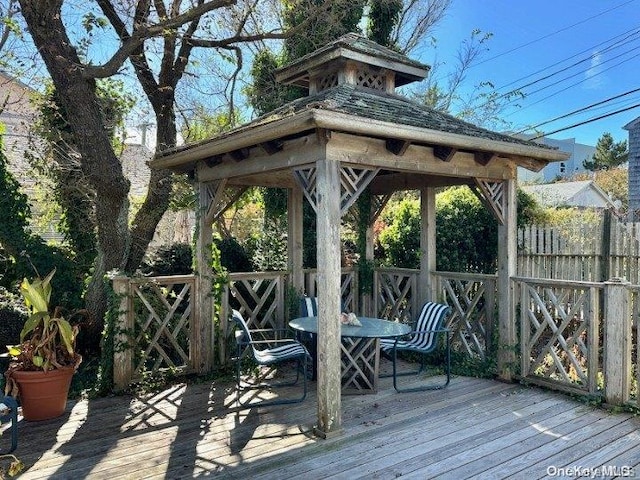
(43, 395)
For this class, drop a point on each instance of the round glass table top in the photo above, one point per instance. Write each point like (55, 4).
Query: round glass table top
(371, 327)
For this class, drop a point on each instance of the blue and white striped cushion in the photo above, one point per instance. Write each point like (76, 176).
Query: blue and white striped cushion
(270, 355)
(430, 319)
(309, 307)
(280, 353)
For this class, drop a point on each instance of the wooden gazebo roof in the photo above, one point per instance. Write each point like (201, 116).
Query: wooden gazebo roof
(361, 110)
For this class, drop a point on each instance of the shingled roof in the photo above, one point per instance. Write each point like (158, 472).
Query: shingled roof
(376, 105)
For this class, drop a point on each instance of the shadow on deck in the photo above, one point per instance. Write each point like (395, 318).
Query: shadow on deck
(475, 428)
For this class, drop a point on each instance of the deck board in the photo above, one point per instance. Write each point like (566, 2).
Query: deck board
(475, 428)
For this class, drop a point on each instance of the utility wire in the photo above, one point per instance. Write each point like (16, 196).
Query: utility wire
(569, 86)
(588, 107)
(504, 95)
(590, 120)
(619, 43)
(553, 33)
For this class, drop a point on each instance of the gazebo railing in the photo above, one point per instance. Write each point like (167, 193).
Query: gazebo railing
(154, 331)
(472, 298)
(563, 342)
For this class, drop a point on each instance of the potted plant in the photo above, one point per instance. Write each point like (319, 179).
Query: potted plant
(45, 360)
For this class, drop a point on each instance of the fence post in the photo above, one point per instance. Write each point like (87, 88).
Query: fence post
(617, 341)
(122, 350)
(605, 247)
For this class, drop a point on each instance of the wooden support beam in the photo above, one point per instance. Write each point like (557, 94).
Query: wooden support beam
(445, 154)
(271, 148)
(240, 154)
(397, 146)
(483, 158)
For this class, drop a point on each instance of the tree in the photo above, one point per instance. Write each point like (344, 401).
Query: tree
(157, 39)
(467, 232)
(449, 93)
(608, 154)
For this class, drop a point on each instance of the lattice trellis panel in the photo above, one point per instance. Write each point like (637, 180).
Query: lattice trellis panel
(328, 81)
(560, 335)
(348, 287)
(396, 295)
(369, 79)
(259, 300)
(163, 318)
(471, 318)
(493, 195)
(306, 178)
(352, 183)
(219, 197)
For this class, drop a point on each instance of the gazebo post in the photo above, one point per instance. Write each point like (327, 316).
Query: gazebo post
(507, 265)
(295, 201)
(427, 246)
(203, 348)
(328, 252)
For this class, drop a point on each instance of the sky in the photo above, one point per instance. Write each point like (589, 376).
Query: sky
(589, 49)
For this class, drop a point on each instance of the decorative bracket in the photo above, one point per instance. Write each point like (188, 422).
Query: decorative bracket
(352, 182)
(218, 197)
(492, 195)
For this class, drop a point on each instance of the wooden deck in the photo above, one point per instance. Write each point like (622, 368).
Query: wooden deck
(474, 428)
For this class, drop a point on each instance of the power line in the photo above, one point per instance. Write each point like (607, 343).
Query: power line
(620, 43)
(571, 85)
(615, 45)
(588, 107)
(590, 120)
(553, 33)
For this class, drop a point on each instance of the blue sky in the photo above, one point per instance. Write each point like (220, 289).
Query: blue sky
(602, 37)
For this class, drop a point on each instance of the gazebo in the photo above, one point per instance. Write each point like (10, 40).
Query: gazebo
(353, 132)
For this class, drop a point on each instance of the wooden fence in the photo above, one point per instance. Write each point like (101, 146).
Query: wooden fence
(595, 251)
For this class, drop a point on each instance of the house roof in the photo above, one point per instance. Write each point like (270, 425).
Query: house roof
(570, 194)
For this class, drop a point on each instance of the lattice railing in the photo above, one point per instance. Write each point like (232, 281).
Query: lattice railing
(560, 333)
(473, 311)
(162, 320)
(396, 294)
(348, 287)
(259, 297)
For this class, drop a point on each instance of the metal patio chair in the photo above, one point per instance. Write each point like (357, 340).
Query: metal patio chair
(9, 413)
(268, 353)
(423, 340)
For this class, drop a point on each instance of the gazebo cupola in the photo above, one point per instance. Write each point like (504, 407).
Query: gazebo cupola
(352, 60)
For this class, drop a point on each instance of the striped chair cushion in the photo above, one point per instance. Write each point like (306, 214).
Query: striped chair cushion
(308, 307)
(430, 319)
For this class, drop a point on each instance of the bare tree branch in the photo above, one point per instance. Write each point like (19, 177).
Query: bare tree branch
(137, 38)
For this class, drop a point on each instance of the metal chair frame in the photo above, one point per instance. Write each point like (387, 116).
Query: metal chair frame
(286, 349)
(9, 413)
(423, 341)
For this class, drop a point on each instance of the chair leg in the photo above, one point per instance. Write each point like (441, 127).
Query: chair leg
(241, 388)
(423, 364)
(10, 416)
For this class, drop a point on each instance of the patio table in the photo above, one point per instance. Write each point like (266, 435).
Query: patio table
(360, 349)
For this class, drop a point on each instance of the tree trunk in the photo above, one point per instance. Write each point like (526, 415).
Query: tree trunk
(99, 162)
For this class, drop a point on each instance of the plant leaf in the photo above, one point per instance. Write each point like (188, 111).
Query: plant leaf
(66, 332)
(31, 323)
